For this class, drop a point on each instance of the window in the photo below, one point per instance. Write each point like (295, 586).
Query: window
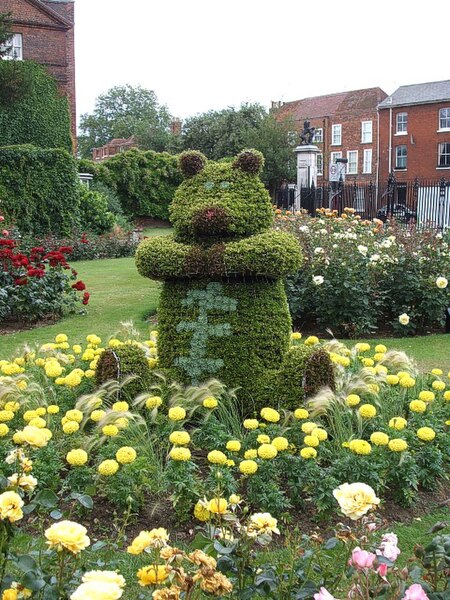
(401, 155)
(352, 165)
(367, 166)
(402, 123)
(366, 132)
(318, 135)
(13, 47)
(444, 118)
(320, 164)
(334, 156)
(444, 154)
(336, 135)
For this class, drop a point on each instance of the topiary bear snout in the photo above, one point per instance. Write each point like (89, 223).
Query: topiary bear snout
(211, 221)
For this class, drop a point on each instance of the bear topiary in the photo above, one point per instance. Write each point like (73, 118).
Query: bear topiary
(223, 310)
(121, 362)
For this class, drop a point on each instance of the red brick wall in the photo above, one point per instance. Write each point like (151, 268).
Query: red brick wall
(48, 42)
(421, 141)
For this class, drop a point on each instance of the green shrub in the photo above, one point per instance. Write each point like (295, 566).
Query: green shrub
(94, 213)
(39, 189)
(31, 109)
(122, 362)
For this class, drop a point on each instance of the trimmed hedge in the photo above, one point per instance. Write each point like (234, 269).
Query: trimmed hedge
(39, 189)
(122, 362)
(31, 109)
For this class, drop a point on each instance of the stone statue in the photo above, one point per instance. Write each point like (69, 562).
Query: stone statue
(307, 135)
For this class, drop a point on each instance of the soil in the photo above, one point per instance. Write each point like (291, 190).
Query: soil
(147, 222)
(17, 326)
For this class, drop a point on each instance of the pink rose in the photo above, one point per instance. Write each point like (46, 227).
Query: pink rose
(324, 595)
(5, 233)
(382, 570)
(388, 547)
(361, 559)
(415, 592)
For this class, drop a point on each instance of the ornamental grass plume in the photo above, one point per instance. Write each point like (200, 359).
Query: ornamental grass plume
(396, 361)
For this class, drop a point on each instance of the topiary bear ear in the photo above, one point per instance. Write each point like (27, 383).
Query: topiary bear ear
(249, 161)
(191, 162)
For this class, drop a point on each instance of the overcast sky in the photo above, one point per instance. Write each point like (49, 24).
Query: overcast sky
(199, 55)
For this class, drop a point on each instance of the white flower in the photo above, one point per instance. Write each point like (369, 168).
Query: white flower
(375, 257)
(318, 250)
(403, 319)
(317, 279)
(304, 229)
(441, 282)
(362, 249)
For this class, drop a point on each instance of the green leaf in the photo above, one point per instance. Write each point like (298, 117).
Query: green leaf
(26, 563)
(33, 581)
(46, 498)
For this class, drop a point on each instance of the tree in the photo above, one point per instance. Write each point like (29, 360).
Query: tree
(5, 33)
(121, 112)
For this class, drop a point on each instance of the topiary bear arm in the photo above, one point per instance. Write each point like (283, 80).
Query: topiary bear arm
(162, 258)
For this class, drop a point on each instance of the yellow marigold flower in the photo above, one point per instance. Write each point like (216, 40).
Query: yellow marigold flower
(250, 454)
(126, 455)
(4, 429)
(447, 395)
(356, 499)
(152, 362)
(74, 415)
(367, 362)
(177, 413)
(251, 424)
(180, 438)
(114, 343)
(418, 406)
(180, 453)
(218, 506)
(88, 355)
(280, 443)
(296, 335)
(120, 406)
(311, 340)
(20, 360)
(352, 400)
(76, 348)
(263, 439)
(89, 373)
(53, 369)
(210, 402)
(151, 576)
(438, 385)
(28, 415)
(121, 423)
(77, 457)
(447, 422)
(201, 512)
(97, 415)
(392, 379)
(360, 447)
(397, 445)
(367, 411)
(18, 437)
(38, 422)
(67, 535)
(108, 467)
(14, 406)
(380, 348)
(153, 402)
(93, 339)
(308, 453)
(22, 385)
(398, 423)
(426, 395)
(267, 451)
(362, 347)
(378, 356)
(39, 362)
(379, 438)
(437, 372)
(41, 411)
(319, 433)
(426, 434)
(301, 413)
(11, 507)
(248, 467)
(60, 381)
(407, 382)
(8, 415)
(233, 445)
(311, 440)
(381, 369)
(308, 427)
(270, 414)
(60, 338)
(217, 457)
(110, 430)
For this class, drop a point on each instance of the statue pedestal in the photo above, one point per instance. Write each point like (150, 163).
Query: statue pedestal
(306, 168)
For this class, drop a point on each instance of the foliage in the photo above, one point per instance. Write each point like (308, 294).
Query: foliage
(359, 276)
(5, 31)
(126, 364)
(125, 111)
(94, 213)
(39, 189)
(31, 109)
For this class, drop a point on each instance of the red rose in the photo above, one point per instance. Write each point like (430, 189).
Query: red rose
(79, 286)
(86, 297)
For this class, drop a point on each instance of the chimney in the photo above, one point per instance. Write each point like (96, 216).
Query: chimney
(175, 126)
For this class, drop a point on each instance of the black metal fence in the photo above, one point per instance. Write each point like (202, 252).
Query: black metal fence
(425, 203)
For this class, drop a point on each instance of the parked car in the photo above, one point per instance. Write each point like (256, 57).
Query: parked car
(398, 211)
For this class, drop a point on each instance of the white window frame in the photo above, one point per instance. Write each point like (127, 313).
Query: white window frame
(319, 163)
(444, 121)
(352, 163)
(318, 135)
(334, 156)
(401, 125)
(366, 132)
(441, 154)
(367, 162)
(405, 157)
(15, 47)
(336, 135)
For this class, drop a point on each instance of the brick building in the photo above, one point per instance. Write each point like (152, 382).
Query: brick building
(415, 132)
(346, 126)
(43, 31)
(113, 147)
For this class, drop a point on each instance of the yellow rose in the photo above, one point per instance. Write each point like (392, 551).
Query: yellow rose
(67, 535)
(218, 506)
(11, 506)
(35, 436)
(355, 499)
(104, 576)
(150, 576)
(97, 590)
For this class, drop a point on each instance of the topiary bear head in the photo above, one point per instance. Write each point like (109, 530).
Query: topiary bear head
(217, 201)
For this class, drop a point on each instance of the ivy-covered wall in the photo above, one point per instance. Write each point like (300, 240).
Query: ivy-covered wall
(39, 189)
(31, 109)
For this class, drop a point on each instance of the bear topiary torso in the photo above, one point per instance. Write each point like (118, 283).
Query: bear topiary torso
(223, 311)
